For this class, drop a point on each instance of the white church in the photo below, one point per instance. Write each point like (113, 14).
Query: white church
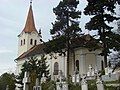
(29, 45)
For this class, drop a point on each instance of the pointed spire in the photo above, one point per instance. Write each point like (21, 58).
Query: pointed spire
(30, 25)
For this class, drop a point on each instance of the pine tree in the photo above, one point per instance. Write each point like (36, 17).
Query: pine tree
(65, 28)
(103, 12)
(42, 68)
(36, 67)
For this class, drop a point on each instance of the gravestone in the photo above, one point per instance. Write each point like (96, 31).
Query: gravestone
(99, 83)
(61, 85)
(91, 71)
(7, 87)
(26, 81)
(37, 85)
(43, 79)
(84, 85)
(75, 78)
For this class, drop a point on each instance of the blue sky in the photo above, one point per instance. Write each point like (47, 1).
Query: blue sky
(13, 15)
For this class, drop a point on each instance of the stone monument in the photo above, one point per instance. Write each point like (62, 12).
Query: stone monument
(7, 87)
(61, 85)
(75, 77)
(99, 83)
(37, 85)
(26, 81)
(91, 71)
(43, 79)
(84, 85)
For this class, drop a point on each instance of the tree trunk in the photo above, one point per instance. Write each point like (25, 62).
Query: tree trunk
(104, 48)
(68, 56)
(68, 46)
(74, 60)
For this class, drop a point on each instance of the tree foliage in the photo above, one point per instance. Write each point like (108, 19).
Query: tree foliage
(65, 28)
(7, 79)
(36, 67)
(66, 19)
(103, 12)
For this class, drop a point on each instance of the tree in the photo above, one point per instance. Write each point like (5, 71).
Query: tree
(65, 28)
(7, 79)
(36, 67)
(103, 12)
(42, 68)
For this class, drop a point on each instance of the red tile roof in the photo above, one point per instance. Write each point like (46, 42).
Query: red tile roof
(30, 25)
(37, 49)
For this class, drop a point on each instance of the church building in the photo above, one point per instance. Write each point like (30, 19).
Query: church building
(29, 44)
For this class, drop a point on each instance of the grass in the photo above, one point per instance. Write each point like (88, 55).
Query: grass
(112, 82)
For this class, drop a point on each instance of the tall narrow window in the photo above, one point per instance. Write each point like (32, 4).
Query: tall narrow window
(35, 43)
(31, 41)
(102, 65)
(24, 41)
(21, 43)
(77, 65)
(56, 68)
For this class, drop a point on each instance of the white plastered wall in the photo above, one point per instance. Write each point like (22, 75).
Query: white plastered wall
(27, 36)
(87, 58)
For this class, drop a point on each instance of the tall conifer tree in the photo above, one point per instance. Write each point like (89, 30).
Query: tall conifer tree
(103, 12)
(66, 26)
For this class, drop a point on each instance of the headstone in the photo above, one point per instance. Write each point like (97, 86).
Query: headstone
(61, 85)
(108, 70)
(77, 78)
(84, 85)
(99, 83)
(43, 79)
(7, 87)
(37, 86)
(91, 71)
(73, 78)
(26, 81)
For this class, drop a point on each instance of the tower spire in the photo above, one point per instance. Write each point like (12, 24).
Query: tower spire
(30, 25)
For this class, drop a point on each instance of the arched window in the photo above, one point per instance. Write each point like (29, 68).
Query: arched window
(56, 68)
(21, 42)
(31, 41)
(24, 41)
(77, 65)
(35, 43)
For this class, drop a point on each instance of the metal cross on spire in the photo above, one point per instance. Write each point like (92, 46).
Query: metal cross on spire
(31, 2)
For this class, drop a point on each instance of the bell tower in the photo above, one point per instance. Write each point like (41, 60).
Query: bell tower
(29, 36)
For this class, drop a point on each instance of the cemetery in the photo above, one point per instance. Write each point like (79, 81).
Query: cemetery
(93, 81)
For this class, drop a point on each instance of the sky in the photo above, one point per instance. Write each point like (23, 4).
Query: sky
(13, 14)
